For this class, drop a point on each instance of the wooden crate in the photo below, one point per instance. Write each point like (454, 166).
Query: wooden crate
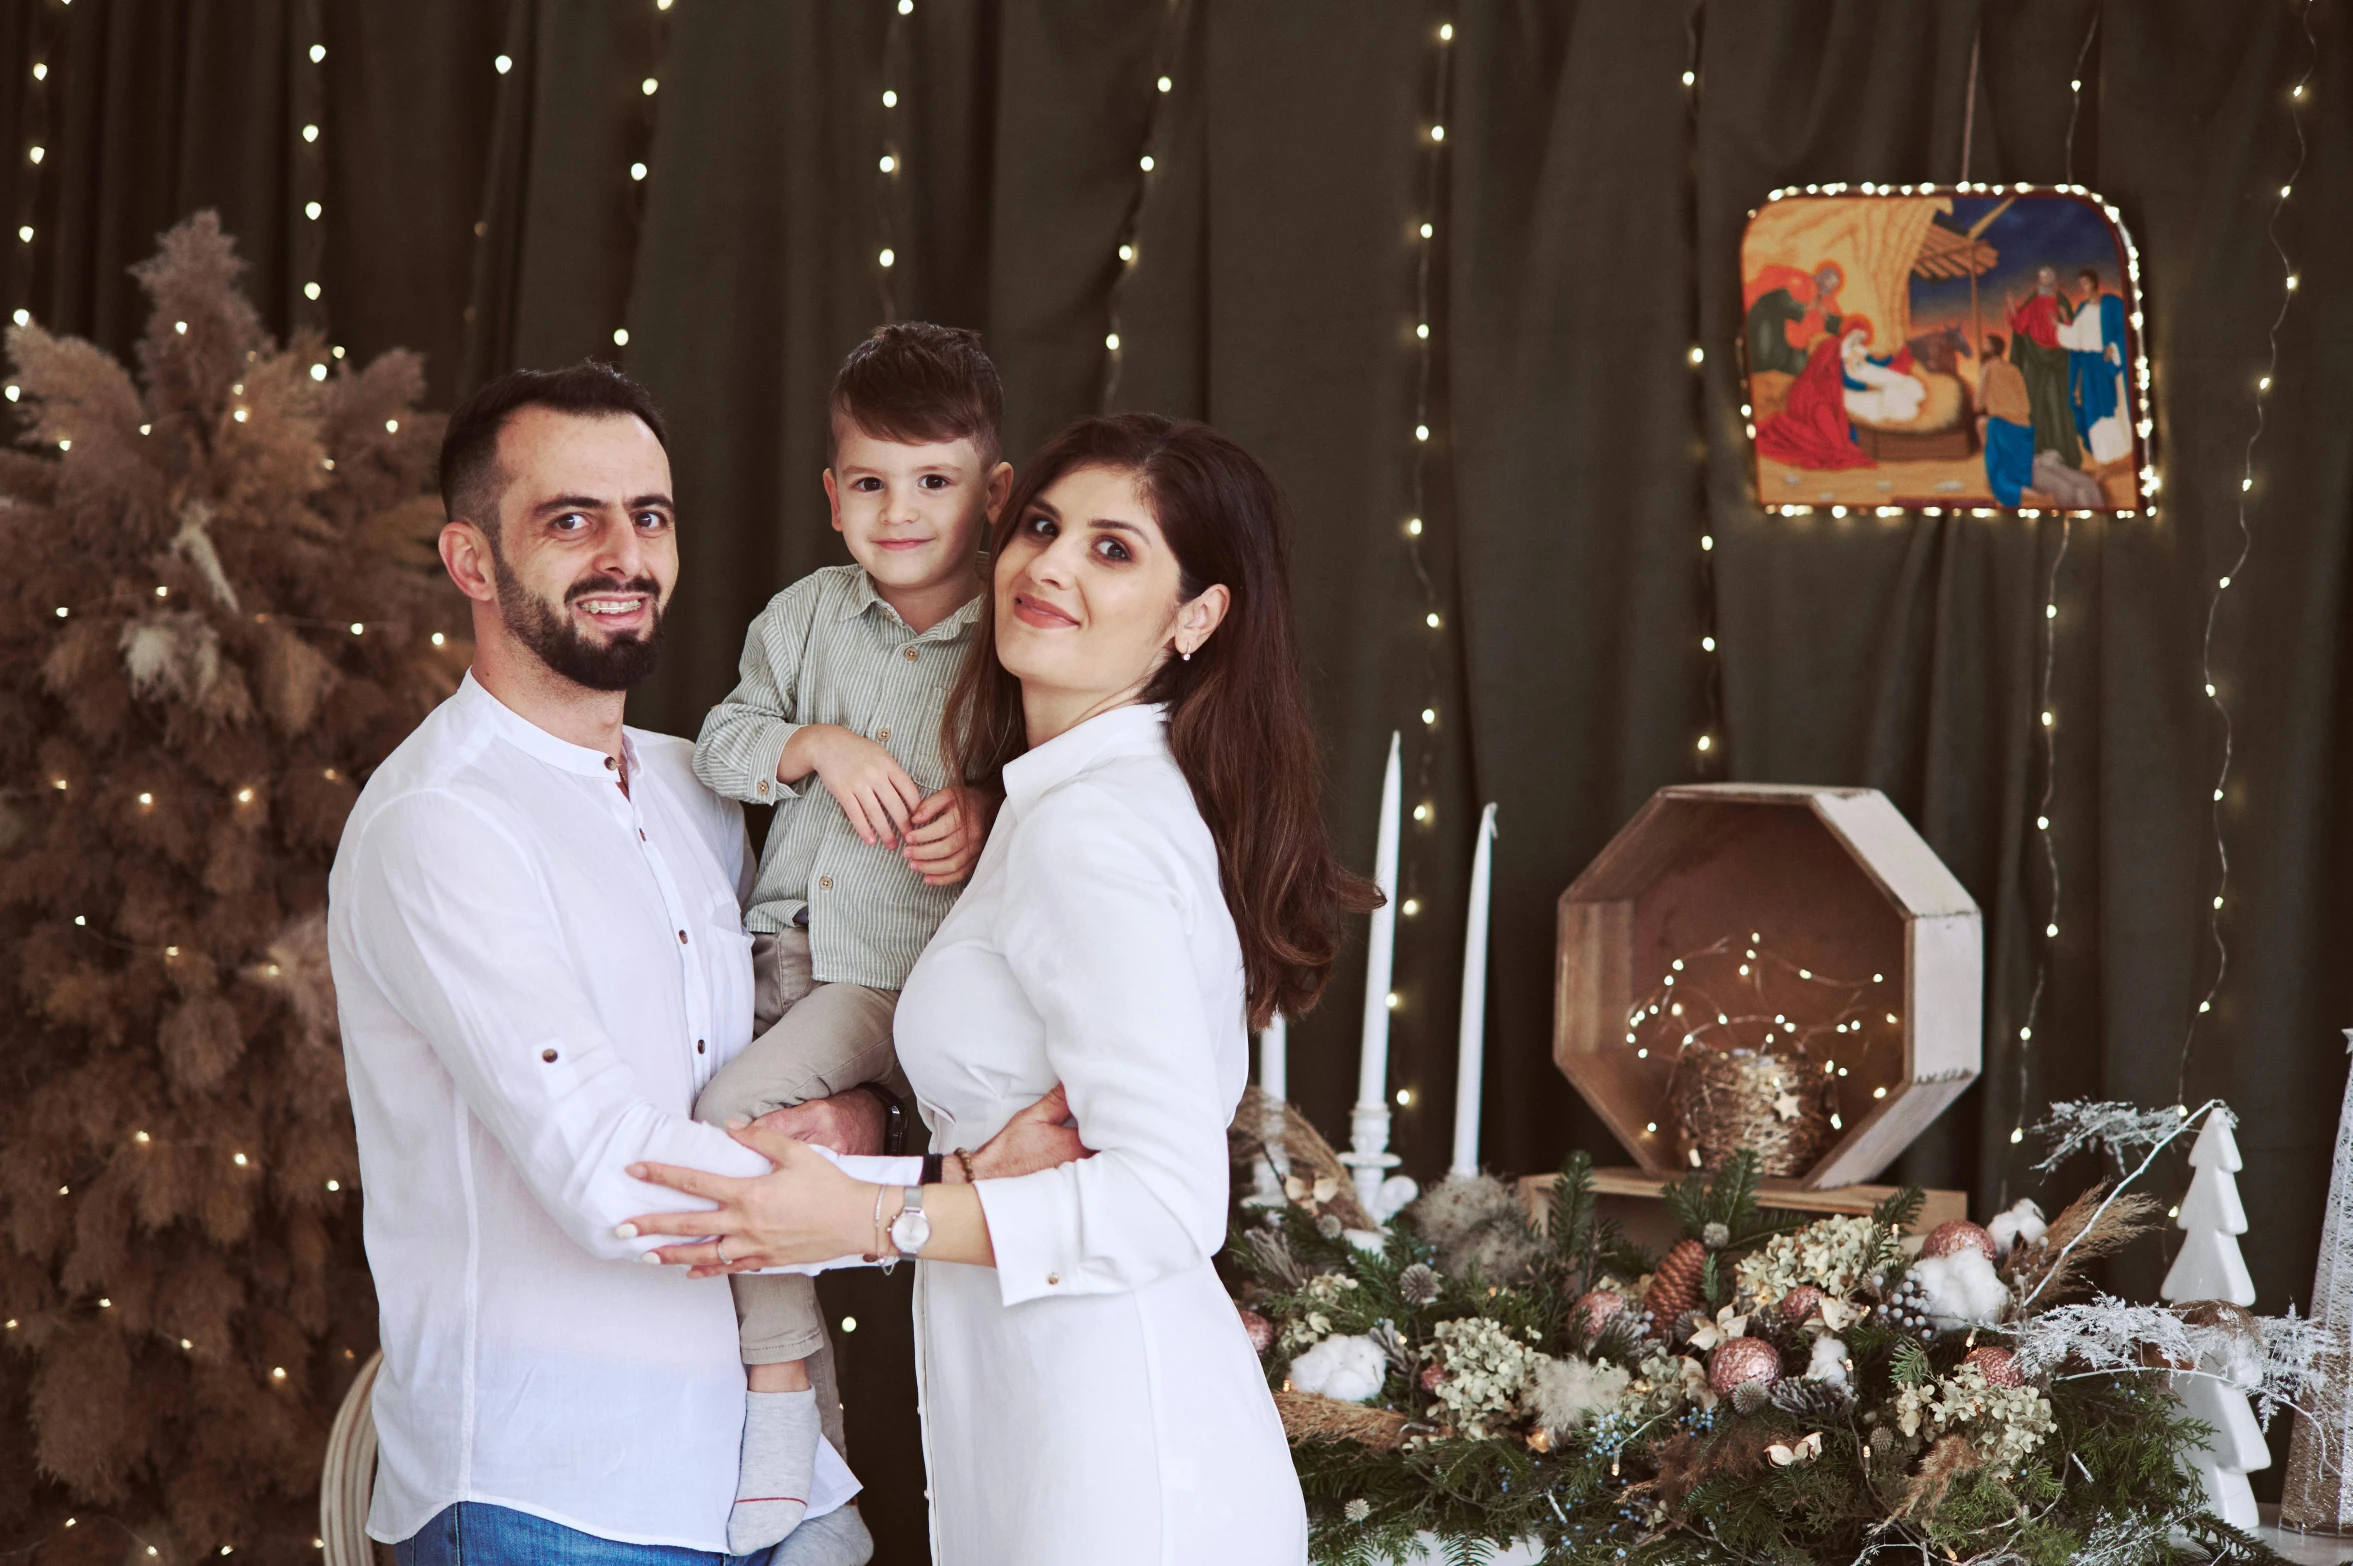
(1842, 882)
(1631, 1196)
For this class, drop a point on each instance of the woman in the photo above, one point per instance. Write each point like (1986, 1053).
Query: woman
(1157, 876)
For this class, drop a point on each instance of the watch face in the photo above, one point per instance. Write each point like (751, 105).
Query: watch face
(910, 1231)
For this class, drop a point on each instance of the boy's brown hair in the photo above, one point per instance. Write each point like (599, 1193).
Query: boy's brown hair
(917, 383)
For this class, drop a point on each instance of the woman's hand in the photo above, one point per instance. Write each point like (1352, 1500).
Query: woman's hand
(803, 1210)
(1035, 1138)
(944, 837)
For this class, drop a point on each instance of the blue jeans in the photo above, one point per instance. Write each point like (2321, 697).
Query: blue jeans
(473, 1533)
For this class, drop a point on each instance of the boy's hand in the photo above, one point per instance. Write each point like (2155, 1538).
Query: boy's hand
(874, 792)
(945, 837)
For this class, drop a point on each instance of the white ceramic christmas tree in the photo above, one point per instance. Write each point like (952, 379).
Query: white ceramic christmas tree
(2211, 1268)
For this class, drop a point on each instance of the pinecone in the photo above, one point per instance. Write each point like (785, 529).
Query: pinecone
(1674, 1288)
(1419, 1284)
(1906, 1310)
(1811, 1400)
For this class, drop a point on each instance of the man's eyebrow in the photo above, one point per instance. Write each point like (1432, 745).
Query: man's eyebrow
(570, 503)
(651, 502)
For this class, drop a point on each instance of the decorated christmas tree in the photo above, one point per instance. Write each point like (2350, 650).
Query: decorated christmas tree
(221, 610)
(2210, 1272)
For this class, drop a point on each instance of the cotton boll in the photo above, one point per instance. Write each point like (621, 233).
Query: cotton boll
(2022, 1224)
(1344, 1367)
(1569, 1391)
(1962, 1289)
(1829, 1362)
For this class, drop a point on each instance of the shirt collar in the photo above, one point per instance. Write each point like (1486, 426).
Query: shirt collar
(533, 740)
(1133, 729)
(863, 597)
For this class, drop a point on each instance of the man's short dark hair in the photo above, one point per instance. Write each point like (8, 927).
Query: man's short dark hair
(2091, 275)
(470, 481)
(918, 383)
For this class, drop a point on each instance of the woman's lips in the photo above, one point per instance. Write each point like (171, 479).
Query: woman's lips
(1044, 616)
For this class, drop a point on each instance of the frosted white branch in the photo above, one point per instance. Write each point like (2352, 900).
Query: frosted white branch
(2125, 1131)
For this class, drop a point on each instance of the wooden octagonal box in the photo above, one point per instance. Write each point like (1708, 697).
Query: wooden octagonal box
(1836, 883)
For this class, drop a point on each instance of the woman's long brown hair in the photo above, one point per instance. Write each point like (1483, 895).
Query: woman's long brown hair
(1236, 720)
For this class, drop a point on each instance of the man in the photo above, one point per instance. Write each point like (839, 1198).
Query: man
(2095, 359)
(2005, 425)
(539, 962)
(2036, 350)
(1787, 310)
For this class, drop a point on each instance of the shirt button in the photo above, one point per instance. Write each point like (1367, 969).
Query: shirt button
(825, 883)
(611, 765)
(548, 1055)
(682, 937)
(910, 655)
(763, 790)
(1052, 1279)
(884, 735)
(698, 1046)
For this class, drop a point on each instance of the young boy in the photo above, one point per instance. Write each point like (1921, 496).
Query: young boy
(843, 679)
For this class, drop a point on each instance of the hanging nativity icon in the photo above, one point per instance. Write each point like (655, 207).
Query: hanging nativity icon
(1924, 346)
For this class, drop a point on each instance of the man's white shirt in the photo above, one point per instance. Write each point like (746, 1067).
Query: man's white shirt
(537, 974)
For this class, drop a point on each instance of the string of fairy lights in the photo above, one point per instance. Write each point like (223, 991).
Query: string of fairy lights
(1425, 241)
(1129, 252)
(1681, 1012)
(36, 154)
(2046, 730)
(893, 158)
(648, 87)
(1708, 747)
(2299, 101)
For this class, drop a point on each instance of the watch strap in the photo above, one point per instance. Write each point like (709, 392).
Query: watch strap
(934, 1168)
(894, 1119)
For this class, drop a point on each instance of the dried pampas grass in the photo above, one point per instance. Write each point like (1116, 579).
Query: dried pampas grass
(2052, 1268)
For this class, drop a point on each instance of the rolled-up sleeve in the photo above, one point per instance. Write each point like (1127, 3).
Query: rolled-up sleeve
(507, 1019)
(1099, 938)
(743, 738)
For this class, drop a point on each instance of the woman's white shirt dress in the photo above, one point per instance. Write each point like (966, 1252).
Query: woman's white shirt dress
(1092, 1398)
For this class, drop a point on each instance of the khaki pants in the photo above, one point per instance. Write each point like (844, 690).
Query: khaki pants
(809, 1041)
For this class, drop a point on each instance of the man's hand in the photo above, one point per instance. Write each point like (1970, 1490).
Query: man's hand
(849, 1122)
(945, 836)
(1034, 1139)
(873, 790)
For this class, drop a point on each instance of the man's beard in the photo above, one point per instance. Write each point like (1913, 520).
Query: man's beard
(558, 643)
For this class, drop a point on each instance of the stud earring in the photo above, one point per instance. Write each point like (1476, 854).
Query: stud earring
(1186, 656)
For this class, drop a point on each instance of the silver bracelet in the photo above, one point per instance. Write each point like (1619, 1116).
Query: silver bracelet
(876, 1255)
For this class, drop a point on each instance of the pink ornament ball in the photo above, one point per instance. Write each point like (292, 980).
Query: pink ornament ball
(1958, 1234)
(1739, 1360)
(1998, 1365)
(1594, 1312)
(1801, 1304)
(1260, 1330)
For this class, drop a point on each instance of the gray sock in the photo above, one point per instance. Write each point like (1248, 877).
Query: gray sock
(779, 1464)
(839, 1538)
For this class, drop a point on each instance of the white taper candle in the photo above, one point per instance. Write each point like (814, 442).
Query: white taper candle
(1274, 1072)
(1470, 1056)
(1369, 1154)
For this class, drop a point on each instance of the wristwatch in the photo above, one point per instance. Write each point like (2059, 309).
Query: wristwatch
(911, 1230)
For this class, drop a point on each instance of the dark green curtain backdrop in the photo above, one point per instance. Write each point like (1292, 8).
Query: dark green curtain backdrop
(1587, 223)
